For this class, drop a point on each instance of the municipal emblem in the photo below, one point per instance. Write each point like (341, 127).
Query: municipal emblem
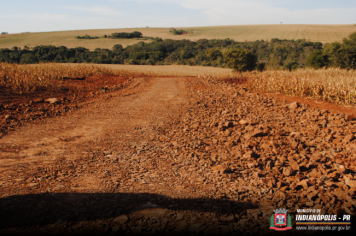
(280, 221)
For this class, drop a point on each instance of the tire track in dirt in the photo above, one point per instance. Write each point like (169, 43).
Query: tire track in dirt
(114, 119)
(46, 141)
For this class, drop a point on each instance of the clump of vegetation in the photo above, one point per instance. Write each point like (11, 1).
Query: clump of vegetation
(87, 37)
(125, 35)
(335, 54)
(318, 60)
(177, 32)
(146, 55)
(291, 66)
(4, 33)
(240, 59)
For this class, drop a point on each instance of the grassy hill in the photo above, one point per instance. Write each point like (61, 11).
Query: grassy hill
(316, 33)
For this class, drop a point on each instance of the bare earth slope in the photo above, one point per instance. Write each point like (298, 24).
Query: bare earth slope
(176, 156)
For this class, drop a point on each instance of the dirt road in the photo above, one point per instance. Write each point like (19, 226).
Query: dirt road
(174, 156)
(146, 105)
(83, 171)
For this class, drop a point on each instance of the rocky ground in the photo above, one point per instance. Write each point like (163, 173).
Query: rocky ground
(177, 156)
(19, 109)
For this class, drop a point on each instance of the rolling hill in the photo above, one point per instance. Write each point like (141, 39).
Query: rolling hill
(315, 33)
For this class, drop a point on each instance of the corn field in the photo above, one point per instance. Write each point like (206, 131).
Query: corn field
(21, 79)
(332, 85)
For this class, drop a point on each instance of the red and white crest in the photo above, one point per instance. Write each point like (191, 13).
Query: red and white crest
(280, 219)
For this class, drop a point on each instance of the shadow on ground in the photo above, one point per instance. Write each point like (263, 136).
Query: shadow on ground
(55, 208)
(132, 214)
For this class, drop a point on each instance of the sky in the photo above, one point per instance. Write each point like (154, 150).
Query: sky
(18, 16)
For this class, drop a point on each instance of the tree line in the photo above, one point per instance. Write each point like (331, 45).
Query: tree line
(87, 37)
(125, 35)
(335, 54)
(260, 54)
(177, 32)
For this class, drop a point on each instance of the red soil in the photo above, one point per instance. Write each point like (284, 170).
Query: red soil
(16, 109)
(331, 107)
(67, 88)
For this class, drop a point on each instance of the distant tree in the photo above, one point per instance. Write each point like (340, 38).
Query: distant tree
(240, 59)
(157, 39)
(317, 60)
(117, 49)
(343, 54)
(213, 53)
(178, 32)
(157, 47)
(291, 65)
(87, 37)
(348, 50)
(28, 59)
(261, 66)
(134, 34)
(333, 52)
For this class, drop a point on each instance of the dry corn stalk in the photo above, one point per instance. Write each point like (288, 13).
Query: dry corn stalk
(332, 85)
(29, 78)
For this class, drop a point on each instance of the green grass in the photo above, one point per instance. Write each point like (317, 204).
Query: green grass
(315, 33)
